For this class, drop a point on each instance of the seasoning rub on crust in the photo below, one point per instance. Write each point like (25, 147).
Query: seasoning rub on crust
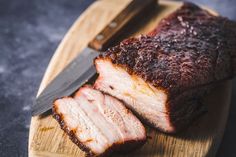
(162, 76)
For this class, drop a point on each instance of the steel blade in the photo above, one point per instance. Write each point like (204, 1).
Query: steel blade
(68, 81)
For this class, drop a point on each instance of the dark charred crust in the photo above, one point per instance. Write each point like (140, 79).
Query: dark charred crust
(182, 120)
(124, 148)
(130, 146)
(178, 102)
(91, 100)
(111, 87)
(183, 56)
(197, 109)
(189, 48)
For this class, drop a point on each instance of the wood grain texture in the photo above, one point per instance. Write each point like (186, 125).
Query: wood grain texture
(109, 34)
(201, 139)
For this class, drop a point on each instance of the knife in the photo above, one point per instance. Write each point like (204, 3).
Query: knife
(70, 79)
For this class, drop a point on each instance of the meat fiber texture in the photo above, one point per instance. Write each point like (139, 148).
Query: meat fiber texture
(162, 76)
(98, 123)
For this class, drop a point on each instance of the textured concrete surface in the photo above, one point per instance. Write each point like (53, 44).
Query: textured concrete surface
(30, 31)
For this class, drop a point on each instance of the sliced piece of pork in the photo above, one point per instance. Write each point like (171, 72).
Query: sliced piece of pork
(162, 76)
(98, 123)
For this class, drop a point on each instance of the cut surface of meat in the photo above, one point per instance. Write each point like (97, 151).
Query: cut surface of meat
(161, 76)
(148, 102)
(98, 123)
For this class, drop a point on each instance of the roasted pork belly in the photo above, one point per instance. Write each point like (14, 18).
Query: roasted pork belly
(162, 76)
(98, 123)
(144, 99)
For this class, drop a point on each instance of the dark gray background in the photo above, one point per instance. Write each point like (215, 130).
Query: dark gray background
(30, 31)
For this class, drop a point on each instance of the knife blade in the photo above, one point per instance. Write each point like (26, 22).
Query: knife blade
(81, 69)
(65, 83)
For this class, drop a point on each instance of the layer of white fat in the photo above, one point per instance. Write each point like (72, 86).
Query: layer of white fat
(141, 97)
(99, 120)
(77, 119)
(121, 121)
(108, 131)
(130, 127)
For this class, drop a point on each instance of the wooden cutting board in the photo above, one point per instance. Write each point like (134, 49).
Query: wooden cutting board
(201, 139)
